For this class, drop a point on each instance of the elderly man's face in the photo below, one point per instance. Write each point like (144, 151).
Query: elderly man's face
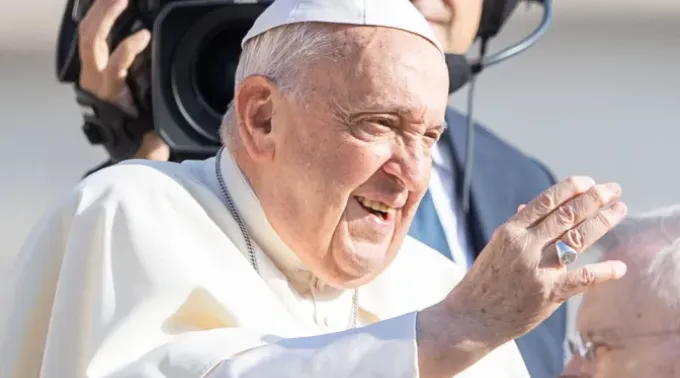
(343, 166)
(626, 330)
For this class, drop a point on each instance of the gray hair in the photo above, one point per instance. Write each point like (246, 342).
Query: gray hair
(283, 54)
(654, 234)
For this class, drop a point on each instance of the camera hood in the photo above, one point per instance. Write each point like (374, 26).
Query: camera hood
(195, 53)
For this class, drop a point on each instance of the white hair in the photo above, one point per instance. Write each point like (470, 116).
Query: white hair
(656, 234)
(282, 54)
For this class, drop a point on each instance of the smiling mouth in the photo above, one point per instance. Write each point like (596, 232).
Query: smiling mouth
(377, 208)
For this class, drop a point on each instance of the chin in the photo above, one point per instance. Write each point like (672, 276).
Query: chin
(358, 263)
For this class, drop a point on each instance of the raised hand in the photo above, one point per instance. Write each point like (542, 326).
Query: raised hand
(518, 281)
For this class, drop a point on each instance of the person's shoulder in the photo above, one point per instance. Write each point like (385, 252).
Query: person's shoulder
(484, 135)
(134, 172)
(493, 146)
(141, 174)
(141, 180)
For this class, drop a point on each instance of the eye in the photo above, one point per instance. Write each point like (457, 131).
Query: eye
(373, 128)
(431, 137)
(380, 123)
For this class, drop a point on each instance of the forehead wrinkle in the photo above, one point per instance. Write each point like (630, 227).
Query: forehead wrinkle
(367, 59)
(627, 306)
(377, 94)
(393, 75)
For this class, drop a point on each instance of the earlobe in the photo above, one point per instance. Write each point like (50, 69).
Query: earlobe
(254, 109)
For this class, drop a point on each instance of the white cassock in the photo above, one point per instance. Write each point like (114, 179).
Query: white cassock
(141, 271)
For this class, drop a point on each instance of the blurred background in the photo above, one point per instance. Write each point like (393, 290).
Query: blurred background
(598, 95)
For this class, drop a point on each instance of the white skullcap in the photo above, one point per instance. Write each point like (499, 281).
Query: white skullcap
(397, 14)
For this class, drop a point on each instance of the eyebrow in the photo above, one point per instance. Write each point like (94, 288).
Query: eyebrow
(399, 111)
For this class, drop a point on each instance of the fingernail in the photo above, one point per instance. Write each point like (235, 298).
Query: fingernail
(585, 182)
(145, 34)
(613, 188)
(619, 207)
(620, 269)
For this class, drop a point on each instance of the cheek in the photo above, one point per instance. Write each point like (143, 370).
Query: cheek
(325, 162)
(351, 165)
(340, 162)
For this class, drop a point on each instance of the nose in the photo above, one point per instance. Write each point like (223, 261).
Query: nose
(410, 164)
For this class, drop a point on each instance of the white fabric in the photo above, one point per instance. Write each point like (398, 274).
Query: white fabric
(141, 272)
(443, 190)
(396, 14)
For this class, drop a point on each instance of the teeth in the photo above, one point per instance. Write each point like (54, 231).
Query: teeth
(376, 205)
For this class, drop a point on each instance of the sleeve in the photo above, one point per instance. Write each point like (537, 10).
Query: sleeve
(107, 288)
(385, 349)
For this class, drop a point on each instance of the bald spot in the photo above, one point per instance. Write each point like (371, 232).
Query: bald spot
(634, 304)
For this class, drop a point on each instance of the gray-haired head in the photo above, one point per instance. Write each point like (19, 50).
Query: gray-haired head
(649, 243)
(290, 36)
(282, 54)
(634, 323)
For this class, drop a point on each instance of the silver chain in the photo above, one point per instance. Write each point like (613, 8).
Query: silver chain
(246, 236)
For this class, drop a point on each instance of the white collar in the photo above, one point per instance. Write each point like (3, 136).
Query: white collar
(250, 210)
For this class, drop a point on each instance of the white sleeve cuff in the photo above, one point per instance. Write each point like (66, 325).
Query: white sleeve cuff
(385, 349)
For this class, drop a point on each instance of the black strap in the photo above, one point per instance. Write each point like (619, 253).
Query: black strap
(494, 15)
(106, 124)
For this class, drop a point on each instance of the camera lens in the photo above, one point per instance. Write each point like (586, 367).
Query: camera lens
(196, 48)
(214, 70)
(204, 66)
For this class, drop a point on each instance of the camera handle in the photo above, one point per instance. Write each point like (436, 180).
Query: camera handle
(106, 124)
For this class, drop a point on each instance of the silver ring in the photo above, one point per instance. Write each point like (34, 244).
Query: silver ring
(565, 254)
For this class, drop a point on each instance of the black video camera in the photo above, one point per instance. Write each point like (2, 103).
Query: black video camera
(184, 81)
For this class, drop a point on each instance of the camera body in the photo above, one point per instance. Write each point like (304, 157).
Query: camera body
(195, 56)
(183, 82)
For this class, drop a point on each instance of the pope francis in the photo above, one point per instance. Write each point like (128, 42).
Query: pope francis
(286, 254)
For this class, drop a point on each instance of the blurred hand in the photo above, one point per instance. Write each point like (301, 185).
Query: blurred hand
(103, 73)
(455, 22)
(517, 281)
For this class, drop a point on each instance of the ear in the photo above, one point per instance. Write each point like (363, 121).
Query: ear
(254, 110)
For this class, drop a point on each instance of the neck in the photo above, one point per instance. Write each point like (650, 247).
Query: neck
(241, 177)
(244, 163)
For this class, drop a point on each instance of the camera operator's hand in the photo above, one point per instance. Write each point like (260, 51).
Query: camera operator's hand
(455, 22)
(103, 73)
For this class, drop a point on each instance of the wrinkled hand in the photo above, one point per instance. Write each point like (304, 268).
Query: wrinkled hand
(517, 281)
(103, 73)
